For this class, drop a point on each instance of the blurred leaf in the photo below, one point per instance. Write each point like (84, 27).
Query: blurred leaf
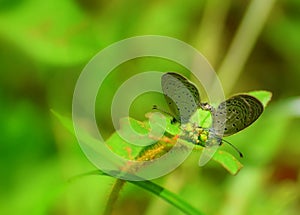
(25, 136)
(64, 38)
(37, 193)
(282, 33)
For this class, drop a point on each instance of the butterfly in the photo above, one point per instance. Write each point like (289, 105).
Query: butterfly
(231, 116)
(182, 96)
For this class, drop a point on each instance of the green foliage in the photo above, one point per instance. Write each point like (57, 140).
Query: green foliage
(58, 39)
(46, 44)
(157, 190)
(121, 147)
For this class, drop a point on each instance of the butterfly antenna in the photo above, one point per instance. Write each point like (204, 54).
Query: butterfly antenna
(233, 146)
(174, 120)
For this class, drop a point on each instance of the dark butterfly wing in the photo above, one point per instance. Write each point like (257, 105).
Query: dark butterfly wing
(235, 114)
(181, 95)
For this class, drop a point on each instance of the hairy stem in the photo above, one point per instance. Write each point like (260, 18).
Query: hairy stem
(113, 196)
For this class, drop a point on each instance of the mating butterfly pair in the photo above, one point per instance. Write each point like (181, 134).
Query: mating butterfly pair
(230, 117)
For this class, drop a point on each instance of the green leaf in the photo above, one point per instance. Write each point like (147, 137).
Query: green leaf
(225, 159)
(165, 122)
(263, 96)
(124, 148)
(168, 196)
(205, 118)
(65, 121)
(228, 161)
(157, 190)
(130, 151)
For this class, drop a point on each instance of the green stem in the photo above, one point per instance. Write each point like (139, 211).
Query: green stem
(243, 42)
(113, 196)
(148, 154)
(210, 33)
(157, 190)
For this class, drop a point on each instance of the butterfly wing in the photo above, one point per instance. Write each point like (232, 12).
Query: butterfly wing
(235, 114)
(181, 95)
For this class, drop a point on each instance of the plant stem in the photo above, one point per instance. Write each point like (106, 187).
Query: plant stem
(243, 42)
(113, 196)
(210, 33)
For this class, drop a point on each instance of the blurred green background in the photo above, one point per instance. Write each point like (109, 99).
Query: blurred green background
(46, 44)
